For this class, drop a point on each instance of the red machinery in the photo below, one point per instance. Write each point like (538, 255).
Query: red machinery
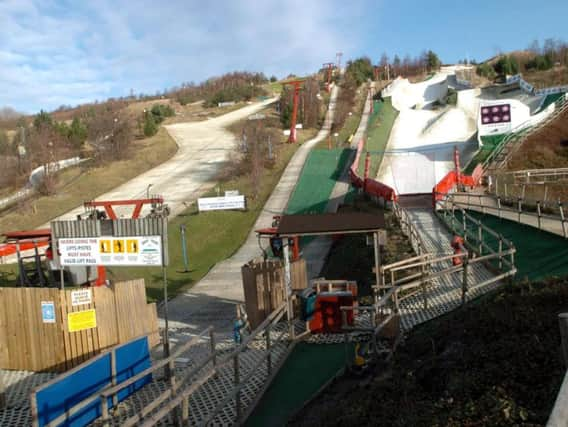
(325, 314)
(296, 84)
(276, 243)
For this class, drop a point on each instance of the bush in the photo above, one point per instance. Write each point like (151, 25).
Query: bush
(360, 70)
(150, 126)
(486, 70)
(161, 111)
(273, 79)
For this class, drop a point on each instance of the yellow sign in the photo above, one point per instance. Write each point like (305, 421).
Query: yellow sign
(81, 320)
(118, 246)
(104, 247)
(132, 246)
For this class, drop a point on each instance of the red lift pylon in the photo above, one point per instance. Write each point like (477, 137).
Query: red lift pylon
(296, 84)
(329, 66)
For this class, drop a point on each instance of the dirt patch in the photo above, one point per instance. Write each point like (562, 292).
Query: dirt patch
(495, 362)
(547, 148)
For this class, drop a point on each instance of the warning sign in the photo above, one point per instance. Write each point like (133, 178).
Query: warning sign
(125, 251)
(104, 247)
(81, 297)
(132, 246)
(81, 320)
(118, 246)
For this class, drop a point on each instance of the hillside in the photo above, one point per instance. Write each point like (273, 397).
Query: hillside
(496, 362)
(546, 148)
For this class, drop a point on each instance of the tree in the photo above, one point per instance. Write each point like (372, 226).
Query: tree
(360, 70)
(77, 133)
(432, 61)
(42, 119)
(396, 65)
(273, 79)
(4, 145)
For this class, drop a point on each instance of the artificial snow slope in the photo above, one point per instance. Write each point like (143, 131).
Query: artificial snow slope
(420, 148)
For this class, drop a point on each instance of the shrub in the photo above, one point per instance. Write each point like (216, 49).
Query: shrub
(161, 111)
(150, 126)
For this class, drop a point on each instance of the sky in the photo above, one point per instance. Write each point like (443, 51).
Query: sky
(67, 52)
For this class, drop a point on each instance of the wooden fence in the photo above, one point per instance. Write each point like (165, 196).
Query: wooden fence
(264, 288)
(33, 340)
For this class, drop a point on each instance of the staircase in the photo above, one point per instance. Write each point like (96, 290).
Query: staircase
(501, 155)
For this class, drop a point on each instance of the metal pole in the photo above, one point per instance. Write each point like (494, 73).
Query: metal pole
(184, 248)
(288, 283)
(563, 323)
(538, 212)
(166, 324)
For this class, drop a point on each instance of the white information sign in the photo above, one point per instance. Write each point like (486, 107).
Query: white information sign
(118, 251)
(221, 203)
(81, 297)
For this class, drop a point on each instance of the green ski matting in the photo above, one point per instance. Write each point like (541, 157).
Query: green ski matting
(550, 99)
(539, 255)
(307, 370)
(320, 173)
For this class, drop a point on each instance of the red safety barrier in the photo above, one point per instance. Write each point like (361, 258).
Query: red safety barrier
(7, 249)
(370, 186)
(378, 189)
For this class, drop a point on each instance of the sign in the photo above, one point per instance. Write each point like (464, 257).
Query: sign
(81, 320)
(111, 251)
(495, 118)
(81, 297)
(220, 203)
(48, 312)
(257, 116)
(231, 193)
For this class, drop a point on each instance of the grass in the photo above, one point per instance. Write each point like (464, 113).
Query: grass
(77, 185)
(379, 129)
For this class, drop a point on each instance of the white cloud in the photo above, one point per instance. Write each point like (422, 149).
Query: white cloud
(65, 52)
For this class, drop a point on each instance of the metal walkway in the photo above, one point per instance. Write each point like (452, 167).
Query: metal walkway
(445, 292)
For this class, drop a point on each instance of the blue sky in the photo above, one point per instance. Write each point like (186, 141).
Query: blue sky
(70, 52)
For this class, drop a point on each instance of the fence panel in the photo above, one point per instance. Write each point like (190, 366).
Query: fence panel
(32, 340)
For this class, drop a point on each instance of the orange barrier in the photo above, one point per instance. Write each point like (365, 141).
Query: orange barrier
(370, 186)
(7, 249)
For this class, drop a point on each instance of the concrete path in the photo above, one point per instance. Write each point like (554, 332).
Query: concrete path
(212, 300)
(204, 147)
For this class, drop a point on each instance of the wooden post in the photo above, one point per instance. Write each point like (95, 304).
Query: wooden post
(482, 205)
(185, 411)
(499, 206)
(519, 207)
(236, 381)
(377, 257)
(213, 350)
(500, 252)
(113, 378)
(268, 350)
(464, 277)
(3, 400)
(545, 195)
(563, 323)
(538, 212)
(345, 338)
(506, 192)
(562, 218)
(480, 237)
